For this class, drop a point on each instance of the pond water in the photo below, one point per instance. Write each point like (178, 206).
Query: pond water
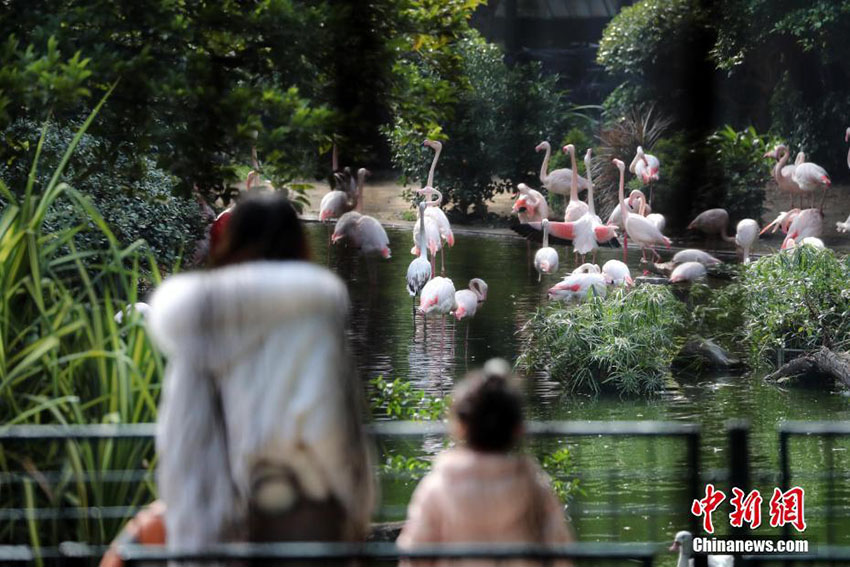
(631, 489)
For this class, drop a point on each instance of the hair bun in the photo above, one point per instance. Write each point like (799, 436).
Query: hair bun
(497, 368)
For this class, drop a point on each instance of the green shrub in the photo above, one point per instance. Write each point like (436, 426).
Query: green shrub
(134, 196)
(623, 343)
(401, 400)
(796, 299)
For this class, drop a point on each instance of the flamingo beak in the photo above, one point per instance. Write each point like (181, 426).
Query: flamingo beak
(675, 546)
(770, 154)
(335, 238)
(386, 253)
(768, 227)
(459, 312)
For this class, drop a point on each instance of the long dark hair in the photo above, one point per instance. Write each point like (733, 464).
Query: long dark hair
(263, 226)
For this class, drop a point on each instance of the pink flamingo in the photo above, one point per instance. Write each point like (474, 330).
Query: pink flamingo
(438, 299)
(646, 167)
(639, 229)
(559, 180)
(365, 233)
(336, 203)
(530, 205)
(467, 300)
(579, 286)
(617, 273)
(616, 216)
(714, 223)
(642, 206)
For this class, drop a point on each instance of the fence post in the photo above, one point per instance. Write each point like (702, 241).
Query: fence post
(738, 431)
(694, 489)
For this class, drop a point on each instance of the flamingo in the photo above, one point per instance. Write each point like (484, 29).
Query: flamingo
(435, 214)
(811, 177)
(688, 272)
(712, 222)
(578, 286)
(655, 218)
(336, 203)
(639, 228)
(575, 208)
(419, 270)
(438, 299)
(545, 259)
(530, 205)
(807, 241)
(365, 232)
(808, 222)
(746, 233)
(783, 220)
(428, 232)
(684, 544)
(559, 180)
(601, 232)
(438, 148)
(646, 167)
(616, 216)
(783, 174)
(694, 255)
(467, 300)
(617, 273)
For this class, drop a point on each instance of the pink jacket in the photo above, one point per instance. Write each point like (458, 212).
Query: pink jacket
(474, 497)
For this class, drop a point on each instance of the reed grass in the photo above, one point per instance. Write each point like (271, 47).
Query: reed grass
(65, 360)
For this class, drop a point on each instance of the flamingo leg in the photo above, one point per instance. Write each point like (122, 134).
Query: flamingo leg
(442, 262)
(823, 199)
(433, 266)
(650, 194)
(625, 248)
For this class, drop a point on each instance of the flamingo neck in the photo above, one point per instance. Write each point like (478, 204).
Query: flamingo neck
(624, 212)
(544, 168)
(546, 235)
(433, 166)
(423, 252)
(334, 159)
(590, 207)
(574, 182)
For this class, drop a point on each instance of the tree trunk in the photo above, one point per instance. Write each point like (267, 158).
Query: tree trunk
(813, 368)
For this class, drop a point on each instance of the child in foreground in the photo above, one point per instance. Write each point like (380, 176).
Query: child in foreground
(481, 490)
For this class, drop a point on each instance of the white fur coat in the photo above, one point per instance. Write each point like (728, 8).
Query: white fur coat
(270, 335)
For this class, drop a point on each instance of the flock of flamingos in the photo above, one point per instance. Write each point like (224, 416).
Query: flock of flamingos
(632, 220)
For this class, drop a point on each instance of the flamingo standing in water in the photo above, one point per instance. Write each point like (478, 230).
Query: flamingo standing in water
(646, 167)
(617, 273)
(467, 300)
(559, 180)
(602, 232)
(336, 203)
(639, 229)
(746, 233)
(579, 286)
(427, 232)
(546, 259)
(616, 216)
(695, 255)
(364, 232)
(435, 214)
(438, 299)
(642, 207)
(419, 270)
(530, 205)
(713, 222)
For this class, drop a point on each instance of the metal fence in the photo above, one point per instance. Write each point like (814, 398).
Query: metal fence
(38, 512)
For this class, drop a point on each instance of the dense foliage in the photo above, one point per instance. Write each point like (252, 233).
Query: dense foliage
(623, 343)
(778, 65)
(65, 359)
(130, 192)
(796, 300)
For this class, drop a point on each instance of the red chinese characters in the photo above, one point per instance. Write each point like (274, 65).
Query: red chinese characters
(745, 509)
(788, 508)
(704, 507)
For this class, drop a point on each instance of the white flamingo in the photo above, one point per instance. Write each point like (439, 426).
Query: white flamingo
(364, 232)
(578, 286)
(695, 255)
(557, 181)
(811, 177)
(602, 232)
(530, 205)
(419, 270)
(807, 223)
(746, 233)
(437, 299)
(436, 214)
(616, 216)
(545, 259)
(575, 208)
(688, 272)
(646, 167)
(428, 232)
(467, 300)
(586, 268)
(783, 174)
(642, 206)
(617, 273)
(638, 228)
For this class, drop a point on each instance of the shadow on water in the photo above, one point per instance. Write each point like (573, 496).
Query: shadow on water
(633, 490)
